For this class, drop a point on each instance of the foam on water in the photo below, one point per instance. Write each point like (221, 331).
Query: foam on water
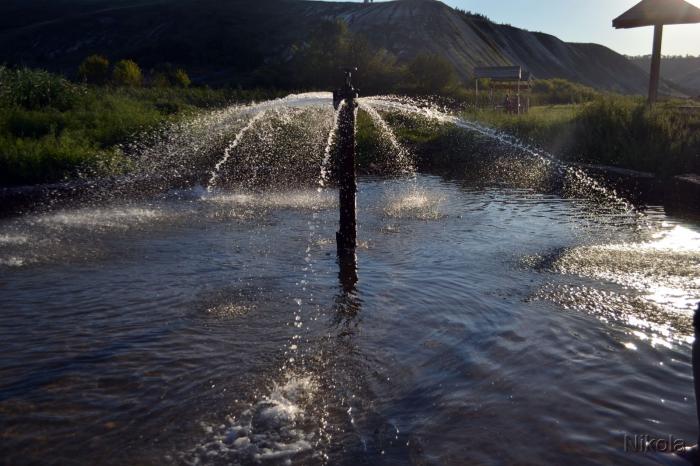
(413, 203)
(229, 310)
(279, 426)
(12, 239)
(12, 261)
(100, 218)
(302, 200)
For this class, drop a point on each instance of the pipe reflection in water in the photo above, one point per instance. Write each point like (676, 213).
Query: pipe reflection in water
(348, 271)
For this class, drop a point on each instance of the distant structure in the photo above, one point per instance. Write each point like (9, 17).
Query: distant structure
(369, 1)
(657, 13)
(509, 78)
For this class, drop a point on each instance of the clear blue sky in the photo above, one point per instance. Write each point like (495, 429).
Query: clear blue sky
(586, 21)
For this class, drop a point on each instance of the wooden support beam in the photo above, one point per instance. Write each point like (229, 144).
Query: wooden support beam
(655, 73)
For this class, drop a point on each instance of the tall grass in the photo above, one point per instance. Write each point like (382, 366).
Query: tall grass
(626, 133)
(611, 130)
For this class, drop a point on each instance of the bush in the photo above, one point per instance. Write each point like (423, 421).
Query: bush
(34, 90)
(561, 91)
(94, 69)
(127, 73)
(432, 74)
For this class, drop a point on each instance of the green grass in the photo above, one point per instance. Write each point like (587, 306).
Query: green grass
(52, 130)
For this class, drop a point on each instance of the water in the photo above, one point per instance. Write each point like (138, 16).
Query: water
(491, 324)
(207, 329)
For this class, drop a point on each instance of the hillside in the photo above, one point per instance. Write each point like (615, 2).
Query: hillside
(227, 41)
(682, 71)
(409, 26)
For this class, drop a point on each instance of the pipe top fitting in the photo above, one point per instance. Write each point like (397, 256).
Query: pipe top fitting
(347, 92)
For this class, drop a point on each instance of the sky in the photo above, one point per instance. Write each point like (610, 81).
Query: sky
(586, 21)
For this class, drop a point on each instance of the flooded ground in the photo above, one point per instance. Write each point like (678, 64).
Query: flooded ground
(490, 325)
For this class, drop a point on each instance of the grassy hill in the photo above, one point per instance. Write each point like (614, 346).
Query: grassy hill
(221, 41)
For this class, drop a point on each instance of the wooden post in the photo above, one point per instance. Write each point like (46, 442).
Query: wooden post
(655, 73)
(476, 97)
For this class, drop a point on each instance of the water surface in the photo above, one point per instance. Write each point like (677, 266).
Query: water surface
(489, 325)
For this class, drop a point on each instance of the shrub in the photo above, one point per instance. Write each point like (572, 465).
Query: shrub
(181, 78)
(127, 73)
(94, 69)
(34, 90)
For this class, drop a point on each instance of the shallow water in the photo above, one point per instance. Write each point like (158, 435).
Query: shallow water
(489, 326)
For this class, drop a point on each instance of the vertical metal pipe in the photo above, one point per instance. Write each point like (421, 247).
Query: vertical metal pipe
(346, 237)
(347, 183)
(655, 73)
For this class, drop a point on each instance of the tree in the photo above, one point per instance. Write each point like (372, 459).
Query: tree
(127, 73)
(432, 73)
(94, 69)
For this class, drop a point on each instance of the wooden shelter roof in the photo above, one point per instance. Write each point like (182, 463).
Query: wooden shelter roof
(499, 73)
(657, 12)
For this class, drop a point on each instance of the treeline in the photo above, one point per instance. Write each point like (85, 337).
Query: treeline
(317, 63)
